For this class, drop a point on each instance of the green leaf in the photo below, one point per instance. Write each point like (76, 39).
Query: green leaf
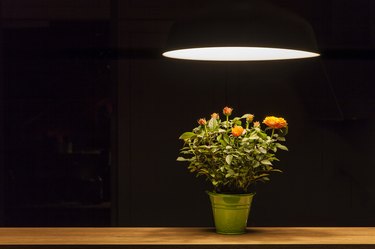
(219, 138)
(262, 150)
(254, 136)
(238, 122)
(283, 131)
(256, 164)
(223, 142)
(282, 139)
(266, 162)
(230, 173)
(226, 138)
(281, 147)
(261, 176)
(187, 135)
(212, 124)
(276, 170)
(262, 135)
(248, 150)
(228, 159)
(182, 159)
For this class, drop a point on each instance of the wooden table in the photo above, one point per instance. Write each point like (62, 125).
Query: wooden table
(188, 238)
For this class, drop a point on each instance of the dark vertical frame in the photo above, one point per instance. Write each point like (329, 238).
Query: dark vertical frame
(121, 132)
(2, 143)
(114, 121)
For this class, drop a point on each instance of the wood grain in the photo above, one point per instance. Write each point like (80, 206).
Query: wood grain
(187, 236)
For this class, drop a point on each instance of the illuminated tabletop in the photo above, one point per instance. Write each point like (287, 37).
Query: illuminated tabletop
(178, 237)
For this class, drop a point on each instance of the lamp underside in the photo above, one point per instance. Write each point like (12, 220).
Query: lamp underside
(238, 54)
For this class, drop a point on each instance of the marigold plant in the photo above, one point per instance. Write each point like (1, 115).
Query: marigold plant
(234, 154)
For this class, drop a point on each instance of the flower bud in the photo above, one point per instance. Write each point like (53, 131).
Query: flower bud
(250, 118)
(256, 124)
(202, 121)
(215, 115)
(227, 111)
(237, 131)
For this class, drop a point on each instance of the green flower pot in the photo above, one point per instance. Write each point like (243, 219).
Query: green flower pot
(230, 212)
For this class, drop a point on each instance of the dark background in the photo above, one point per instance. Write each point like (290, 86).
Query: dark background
(90, 116)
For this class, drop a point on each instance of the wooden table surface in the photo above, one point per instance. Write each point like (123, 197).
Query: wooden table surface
(265, 237)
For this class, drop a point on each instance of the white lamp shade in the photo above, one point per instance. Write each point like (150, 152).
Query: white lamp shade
(241, 31)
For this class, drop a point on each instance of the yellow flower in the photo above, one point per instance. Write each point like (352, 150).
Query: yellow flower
(202, 121)
(227, 111)
(250, 118)
(275, 122)
(215, 115)
(237, 131)
(256, 124)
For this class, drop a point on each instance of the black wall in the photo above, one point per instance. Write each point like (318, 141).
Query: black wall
(117, 44)
(328, 102)
(328, 171)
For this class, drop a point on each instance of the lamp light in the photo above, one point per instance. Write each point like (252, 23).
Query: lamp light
(241, 31)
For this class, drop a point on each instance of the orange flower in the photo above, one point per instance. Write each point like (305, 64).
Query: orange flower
(202, 121)
(227, 111)
(250, 118)
(256, 124)
(215, 115)
(275, 122)
(237, 131)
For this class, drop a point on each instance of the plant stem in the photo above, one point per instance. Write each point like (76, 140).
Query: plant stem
(273, 131)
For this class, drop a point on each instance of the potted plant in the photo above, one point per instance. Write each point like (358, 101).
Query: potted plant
(233, 154)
